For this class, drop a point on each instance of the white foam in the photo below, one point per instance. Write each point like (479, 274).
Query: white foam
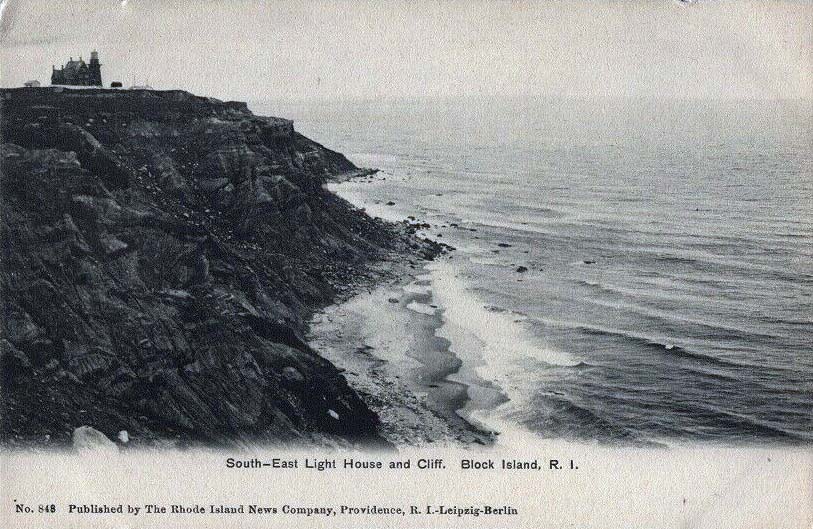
(498, 343)
(414, 288)
(357, 194)
(388, 333)
(503, 333)
(421, 308)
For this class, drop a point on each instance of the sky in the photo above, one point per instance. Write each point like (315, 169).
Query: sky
(335, 50)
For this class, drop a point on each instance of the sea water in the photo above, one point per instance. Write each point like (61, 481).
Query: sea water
(665, 294)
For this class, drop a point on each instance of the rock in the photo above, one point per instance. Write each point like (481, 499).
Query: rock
(63, 375)
(86, 438)
(99, 209)
(393, 300)
(83, 363)
(20, 328)
(522, 269)
(390, 203)
(179, 294)
(14, 361)
(170, 178)
(293, 376)
(200, 269)
(212, 185)
(110, 245)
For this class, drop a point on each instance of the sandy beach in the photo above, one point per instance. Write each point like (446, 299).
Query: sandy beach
(385, 338)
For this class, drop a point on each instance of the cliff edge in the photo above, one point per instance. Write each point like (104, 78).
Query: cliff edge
(160, 254)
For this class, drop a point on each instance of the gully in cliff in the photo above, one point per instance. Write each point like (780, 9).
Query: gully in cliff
(162, 253)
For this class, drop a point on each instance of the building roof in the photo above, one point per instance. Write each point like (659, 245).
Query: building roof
(74, 65)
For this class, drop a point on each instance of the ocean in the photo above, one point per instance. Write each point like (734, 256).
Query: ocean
(629, 272)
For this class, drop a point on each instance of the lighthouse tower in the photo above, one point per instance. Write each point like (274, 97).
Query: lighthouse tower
(94, 70)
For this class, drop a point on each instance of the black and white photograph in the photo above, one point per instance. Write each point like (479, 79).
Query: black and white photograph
(432, 256)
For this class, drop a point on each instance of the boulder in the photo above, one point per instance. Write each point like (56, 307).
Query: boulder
(86, 438)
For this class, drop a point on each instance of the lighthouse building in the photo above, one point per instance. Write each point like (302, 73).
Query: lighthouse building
(79, 73)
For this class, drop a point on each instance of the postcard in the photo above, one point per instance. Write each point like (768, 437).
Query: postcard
(390, 264)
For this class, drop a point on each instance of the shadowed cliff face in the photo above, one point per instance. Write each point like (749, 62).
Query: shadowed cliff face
(159, 254)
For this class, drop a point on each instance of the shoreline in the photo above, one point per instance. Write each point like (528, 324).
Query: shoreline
(384, 340)
(387, 335)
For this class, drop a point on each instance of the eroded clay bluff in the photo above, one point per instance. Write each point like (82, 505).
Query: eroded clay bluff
(160, 253)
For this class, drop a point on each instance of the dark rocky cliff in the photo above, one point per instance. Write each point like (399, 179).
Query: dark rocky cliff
(160, 252)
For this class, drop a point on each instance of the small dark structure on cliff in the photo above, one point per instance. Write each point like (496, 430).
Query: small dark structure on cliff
(79, 73)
